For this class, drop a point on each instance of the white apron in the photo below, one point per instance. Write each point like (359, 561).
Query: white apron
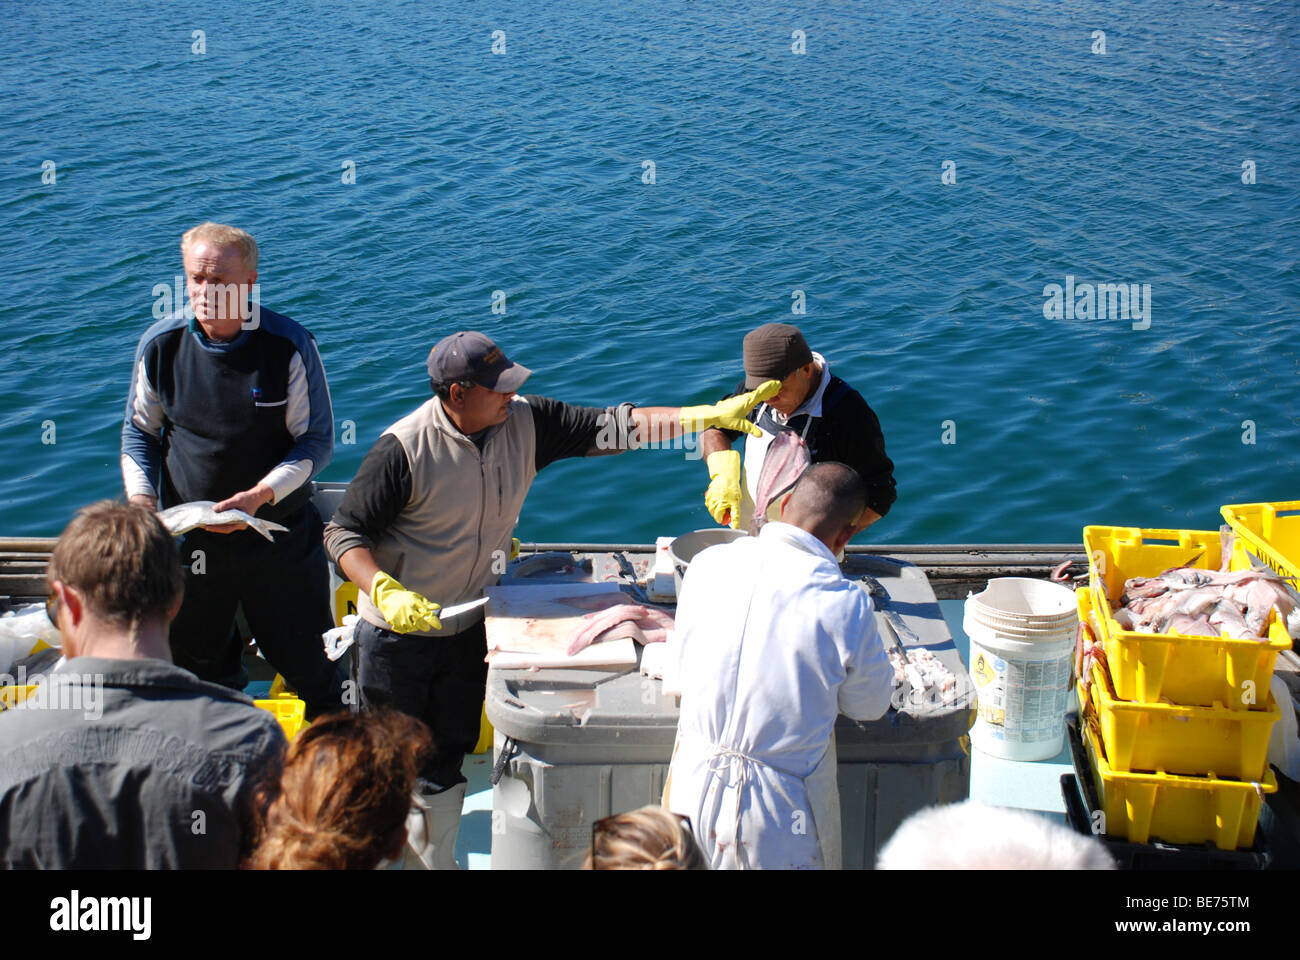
(728, 829)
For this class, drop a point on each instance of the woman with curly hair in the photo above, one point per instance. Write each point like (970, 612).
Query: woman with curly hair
(342, 800)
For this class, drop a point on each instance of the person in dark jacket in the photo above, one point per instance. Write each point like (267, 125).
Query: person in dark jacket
(228, 403)
(120, 759)
(831, 417)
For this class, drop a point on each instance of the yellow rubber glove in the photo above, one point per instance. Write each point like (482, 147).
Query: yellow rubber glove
(729, 414)
(405, 611)
(723, 496)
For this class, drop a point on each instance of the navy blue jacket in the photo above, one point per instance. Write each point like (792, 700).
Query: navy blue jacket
(206, 420)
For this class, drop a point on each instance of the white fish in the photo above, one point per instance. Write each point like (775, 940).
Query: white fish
(202, 513)
(1204, 602)
(1226, 617)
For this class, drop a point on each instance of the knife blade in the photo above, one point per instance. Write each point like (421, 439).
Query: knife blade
(898, 630)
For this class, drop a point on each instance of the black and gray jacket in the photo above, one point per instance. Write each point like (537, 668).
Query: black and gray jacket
(437, 509)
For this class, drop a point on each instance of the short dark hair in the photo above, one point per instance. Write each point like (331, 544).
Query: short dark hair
(442, 390)
(828, 496)
(121, 558)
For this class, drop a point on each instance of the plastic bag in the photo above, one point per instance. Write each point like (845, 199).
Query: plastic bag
(339, 639)
(1283, 744)
(24, 631)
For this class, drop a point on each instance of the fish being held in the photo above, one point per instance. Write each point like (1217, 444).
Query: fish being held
(202, 513)
(786, 459)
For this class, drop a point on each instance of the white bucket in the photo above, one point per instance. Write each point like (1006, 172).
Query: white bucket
(1022, 635)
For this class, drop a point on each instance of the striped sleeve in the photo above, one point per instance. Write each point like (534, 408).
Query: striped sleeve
(142, 429)
(309, 418)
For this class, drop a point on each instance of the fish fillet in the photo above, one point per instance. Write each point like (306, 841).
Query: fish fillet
(641, 623)
(786, 459)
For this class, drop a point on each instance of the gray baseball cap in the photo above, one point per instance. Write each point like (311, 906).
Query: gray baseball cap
(469, 355)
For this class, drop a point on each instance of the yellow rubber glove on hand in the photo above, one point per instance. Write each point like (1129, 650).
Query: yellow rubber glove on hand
(723, 496)
(405, 611)
(729, 414)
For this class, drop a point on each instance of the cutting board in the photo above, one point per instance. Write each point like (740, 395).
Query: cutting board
(532, 625)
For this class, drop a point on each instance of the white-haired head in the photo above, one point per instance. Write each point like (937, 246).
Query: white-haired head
(222, 235)
(975, 836)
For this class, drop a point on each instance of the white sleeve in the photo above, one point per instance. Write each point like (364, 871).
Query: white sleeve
(285, 478)
(298, 411)
(311, 446)
(141, 434)
(146, 408)
(866, 692)
(135, 481)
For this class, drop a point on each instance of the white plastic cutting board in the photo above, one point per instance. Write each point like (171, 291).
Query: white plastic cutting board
(532, 625)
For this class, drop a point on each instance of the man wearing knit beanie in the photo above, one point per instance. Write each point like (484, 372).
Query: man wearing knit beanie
(830, 416)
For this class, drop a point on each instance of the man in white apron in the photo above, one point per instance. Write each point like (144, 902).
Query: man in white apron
(831, 417)
(774, 644)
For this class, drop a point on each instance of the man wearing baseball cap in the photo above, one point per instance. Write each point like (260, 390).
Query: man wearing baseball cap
(427, 521)
(830, 416)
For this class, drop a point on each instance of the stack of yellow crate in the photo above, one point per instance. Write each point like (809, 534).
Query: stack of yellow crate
(289, 710)
(1176, 727)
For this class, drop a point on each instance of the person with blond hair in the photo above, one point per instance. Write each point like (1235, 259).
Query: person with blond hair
(343, 798)
(228, 403)
(119, 758)
(651, 838)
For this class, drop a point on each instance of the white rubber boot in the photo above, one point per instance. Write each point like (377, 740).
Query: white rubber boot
(431, 830)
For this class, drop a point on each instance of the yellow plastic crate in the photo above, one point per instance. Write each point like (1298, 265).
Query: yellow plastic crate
(1140, 807)
(14, 694)
(281, 690)
(1164, 738)
(1271, 531)
(1149, 667)
(484, 733)
(290, 711)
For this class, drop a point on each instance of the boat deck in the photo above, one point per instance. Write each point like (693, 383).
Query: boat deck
(953, 572)
(1033, 786)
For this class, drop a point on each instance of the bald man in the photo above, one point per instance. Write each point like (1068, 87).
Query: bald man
(774, 644)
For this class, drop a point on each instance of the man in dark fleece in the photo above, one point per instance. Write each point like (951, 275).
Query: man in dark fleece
(228, 403)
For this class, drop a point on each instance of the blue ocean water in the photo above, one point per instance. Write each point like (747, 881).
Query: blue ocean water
(774, 171)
